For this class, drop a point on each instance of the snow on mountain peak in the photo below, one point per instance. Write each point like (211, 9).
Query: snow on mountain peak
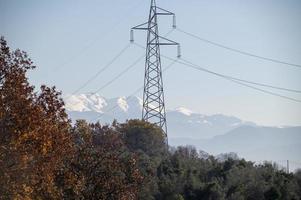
(74, 103)
(184, 111)
(95, 103)
(122, 103)
(85, 102)
(135, 103)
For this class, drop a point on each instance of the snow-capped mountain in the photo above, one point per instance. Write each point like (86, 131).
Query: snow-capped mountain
(182, 122)
(85, 103)
(215, 134)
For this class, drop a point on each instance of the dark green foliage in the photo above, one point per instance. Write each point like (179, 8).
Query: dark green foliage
(143, 136)
(197, 178)
(175, 174)
(131, 158)
(102, 166)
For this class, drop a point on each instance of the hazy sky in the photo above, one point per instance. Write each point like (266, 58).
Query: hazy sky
(70, 41)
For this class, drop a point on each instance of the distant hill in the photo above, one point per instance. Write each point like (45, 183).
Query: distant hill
(254, 143)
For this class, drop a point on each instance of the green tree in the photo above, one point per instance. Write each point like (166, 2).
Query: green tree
(148, 142)
(143, 136)
(211, 191)
(102, 167)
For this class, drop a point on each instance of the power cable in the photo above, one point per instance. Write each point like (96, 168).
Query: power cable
(269, 86)
(239, 51)
(234, 79)
(127, 69)
(238, 82)
(246, 81)
(120, 74)
(134, 93)
(92, 42)
(102, 69)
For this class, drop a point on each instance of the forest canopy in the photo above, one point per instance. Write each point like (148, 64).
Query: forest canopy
(44, 156)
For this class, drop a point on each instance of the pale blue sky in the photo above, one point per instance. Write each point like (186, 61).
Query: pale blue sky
(70, 40)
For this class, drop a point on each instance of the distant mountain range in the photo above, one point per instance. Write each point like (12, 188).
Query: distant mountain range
(181, 121)
(214, 134)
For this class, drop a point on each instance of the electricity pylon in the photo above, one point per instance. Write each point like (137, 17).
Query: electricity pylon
(153, 95)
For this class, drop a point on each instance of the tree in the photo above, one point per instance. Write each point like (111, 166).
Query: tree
(102, 167)
(212, 191)
(34, 128)
(148, 142)
(143, 136)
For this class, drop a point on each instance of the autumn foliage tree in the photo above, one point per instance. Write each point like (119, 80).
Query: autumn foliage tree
(33, 130)
(43, 157)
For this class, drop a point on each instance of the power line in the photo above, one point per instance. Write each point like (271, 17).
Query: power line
(233, 79)
(266, 91)
(102, 69)
(269, 86)
(239, 51)
(107, 66)
(92, 42)
(245, 81)
(237, 82)
(120, 74)
(127, 69)
(135, 92)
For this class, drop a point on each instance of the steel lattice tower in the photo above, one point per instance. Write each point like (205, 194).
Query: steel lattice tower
(153, 95)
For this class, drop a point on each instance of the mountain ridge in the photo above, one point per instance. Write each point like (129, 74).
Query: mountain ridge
(93, 107)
